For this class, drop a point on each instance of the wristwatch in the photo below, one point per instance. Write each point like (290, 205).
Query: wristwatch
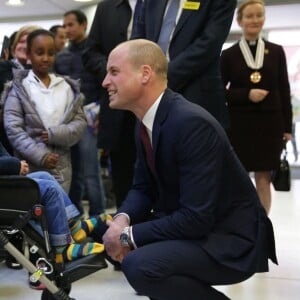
(125, 238)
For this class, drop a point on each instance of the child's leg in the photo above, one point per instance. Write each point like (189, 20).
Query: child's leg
(54, 199)
(80, 229)
(72, 252)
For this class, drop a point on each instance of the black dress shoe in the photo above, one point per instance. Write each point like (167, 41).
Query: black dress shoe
(116, 264)
(117, 267)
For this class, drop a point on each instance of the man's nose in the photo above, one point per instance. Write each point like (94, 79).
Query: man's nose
(105, 81)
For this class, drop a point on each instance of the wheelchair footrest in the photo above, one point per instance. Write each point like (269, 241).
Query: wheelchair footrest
(84, 266)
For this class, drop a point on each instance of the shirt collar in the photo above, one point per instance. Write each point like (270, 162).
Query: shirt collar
(148, 119)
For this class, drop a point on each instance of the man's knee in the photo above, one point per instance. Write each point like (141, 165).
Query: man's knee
(139, 273)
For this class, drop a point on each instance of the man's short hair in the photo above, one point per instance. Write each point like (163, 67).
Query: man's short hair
(80, 16)
(145, 52)
(55, 28)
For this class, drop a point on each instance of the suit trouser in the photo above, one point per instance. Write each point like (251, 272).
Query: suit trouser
(172, 270)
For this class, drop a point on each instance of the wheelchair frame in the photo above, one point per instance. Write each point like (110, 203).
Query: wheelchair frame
(19, 203)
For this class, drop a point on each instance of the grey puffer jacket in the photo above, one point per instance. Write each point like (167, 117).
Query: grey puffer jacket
(24, 128)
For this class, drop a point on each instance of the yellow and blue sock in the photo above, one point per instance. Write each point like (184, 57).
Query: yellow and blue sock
(80, 229)
(74, 251)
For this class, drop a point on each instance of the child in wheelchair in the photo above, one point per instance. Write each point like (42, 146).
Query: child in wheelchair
(67, 229)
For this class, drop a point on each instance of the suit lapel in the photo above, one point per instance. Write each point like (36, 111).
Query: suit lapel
(157, 14)
(183, 18)
(161, 115)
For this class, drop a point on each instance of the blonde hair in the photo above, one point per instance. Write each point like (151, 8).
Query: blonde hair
(242, 6)
(144, 52)
(25, 30)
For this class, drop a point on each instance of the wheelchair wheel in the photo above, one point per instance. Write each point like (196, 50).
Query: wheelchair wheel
(46, 295)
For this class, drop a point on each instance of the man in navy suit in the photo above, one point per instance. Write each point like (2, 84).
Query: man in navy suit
(201, 27)
(192, 218)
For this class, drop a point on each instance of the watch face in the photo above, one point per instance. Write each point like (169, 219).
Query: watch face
(124, 239)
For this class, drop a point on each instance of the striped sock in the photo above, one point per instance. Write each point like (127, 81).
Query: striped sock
(74, 251)
(80, 229)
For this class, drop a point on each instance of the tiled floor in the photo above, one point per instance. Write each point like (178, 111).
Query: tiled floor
(281, 283)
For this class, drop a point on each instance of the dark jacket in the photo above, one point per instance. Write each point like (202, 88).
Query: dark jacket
(200, 191)
(6, 73)
(194, 68)
(109, 28)
(69, 62)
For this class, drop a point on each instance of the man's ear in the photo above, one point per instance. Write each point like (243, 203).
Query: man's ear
(146, 73)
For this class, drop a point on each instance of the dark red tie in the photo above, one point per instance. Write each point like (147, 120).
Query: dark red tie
(147, 147)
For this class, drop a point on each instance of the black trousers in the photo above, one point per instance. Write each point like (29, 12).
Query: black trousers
(173, 270)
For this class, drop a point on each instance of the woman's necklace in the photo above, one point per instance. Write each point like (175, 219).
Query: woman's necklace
(256, 64)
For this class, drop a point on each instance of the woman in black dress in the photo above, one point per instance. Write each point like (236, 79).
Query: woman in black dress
(258, 94)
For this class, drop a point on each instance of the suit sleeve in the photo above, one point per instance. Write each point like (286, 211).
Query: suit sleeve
(285, 92)
(236, 95)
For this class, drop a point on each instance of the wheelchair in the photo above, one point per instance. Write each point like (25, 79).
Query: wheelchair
(20, 205)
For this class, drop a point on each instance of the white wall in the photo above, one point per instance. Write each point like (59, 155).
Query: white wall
(9, 27)
(282, 26)
(278, 17)
(90, 13)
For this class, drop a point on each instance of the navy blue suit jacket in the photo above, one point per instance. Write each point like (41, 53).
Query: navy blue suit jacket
(194, 68)
(200, 190)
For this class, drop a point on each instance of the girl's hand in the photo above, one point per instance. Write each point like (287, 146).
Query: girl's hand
(51, 160)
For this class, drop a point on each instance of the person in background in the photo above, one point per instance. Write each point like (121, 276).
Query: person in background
(116, 127)
(43, 114)
(192, 219)
(60, 37)
(255, 75)
(86, 172)
(8, 54)
(18, 61)
(193, 45)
